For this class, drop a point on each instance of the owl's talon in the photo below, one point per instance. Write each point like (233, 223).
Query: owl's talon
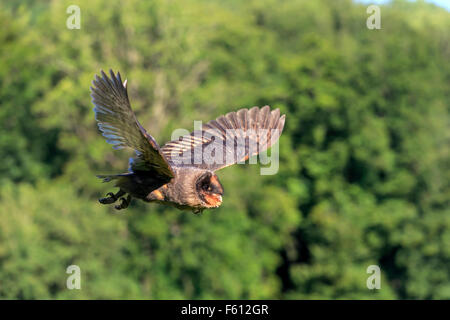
(124, 203)
(111, 198)
(197, 211)
(121, 205)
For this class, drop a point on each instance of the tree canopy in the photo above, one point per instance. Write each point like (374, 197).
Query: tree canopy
(364, 158)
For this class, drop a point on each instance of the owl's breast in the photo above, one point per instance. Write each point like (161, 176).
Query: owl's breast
(180, 191)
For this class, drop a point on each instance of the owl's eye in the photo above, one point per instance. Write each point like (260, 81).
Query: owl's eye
(209, 184)
(206, 187)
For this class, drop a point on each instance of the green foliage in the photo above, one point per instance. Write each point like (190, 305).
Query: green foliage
(364, 171)
(38, 245)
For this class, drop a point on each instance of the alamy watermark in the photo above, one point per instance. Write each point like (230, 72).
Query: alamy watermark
(74, 20)
(224, 148)
(374, 20)
(374, 281)
(74, 280)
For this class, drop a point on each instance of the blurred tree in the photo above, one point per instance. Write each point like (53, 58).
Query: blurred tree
(364, 172)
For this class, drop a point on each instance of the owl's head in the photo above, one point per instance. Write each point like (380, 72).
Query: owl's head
(209, 190)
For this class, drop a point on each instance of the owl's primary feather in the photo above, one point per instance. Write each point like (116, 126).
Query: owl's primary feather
(237, 135)
(120, 127)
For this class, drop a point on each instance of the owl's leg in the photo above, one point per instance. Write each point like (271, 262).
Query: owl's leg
(124, 203)
(111, 197)
(197, 211)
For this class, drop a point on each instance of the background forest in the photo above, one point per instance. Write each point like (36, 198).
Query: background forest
(364, 158)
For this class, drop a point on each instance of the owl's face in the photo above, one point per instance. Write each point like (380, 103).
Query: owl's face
(209, 190)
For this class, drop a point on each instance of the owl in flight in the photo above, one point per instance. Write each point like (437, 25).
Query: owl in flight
(182, 172)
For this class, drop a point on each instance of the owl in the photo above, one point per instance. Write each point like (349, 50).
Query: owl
(182, 172)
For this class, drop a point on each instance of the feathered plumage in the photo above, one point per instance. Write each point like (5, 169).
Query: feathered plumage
(181, 173)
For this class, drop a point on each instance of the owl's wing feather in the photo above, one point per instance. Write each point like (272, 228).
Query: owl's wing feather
(230, 139)
(120, 127)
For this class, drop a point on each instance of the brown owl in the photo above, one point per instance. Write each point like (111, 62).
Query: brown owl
(182, 172)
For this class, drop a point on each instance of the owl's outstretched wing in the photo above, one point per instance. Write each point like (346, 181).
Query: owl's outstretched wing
(120, 127)
(230, 139)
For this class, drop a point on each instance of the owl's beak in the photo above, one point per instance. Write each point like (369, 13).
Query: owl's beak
(216, 186)
(213, 200)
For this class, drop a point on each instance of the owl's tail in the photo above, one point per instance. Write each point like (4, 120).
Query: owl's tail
(119, 177)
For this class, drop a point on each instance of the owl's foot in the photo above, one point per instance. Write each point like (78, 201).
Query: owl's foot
(124, 203)
(111, 197)
(197, 211)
